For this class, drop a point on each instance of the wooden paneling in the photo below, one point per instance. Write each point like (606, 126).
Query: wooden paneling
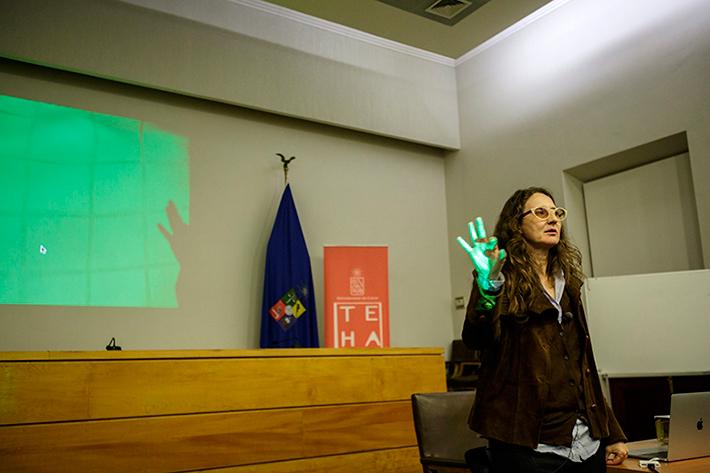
(73, 390)
(400, 460)
(172, 443)
(197, 410)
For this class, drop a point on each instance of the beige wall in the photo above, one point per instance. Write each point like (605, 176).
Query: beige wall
(349, 187)
(588, 80)
(239, 55)
(634, 229)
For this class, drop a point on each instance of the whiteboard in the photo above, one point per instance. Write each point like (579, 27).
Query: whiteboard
(650, 324)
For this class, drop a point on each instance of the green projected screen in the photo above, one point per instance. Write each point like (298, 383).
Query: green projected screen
(81, 197)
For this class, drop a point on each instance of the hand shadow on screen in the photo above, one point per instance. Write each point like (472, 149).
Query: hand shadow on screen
(177, 240)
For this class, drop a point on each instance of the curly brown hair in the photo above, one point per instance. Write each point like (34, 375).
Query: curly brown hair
(521, 279)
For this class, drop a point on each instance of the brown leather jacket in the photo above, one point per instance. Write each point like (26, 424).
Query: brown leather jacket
(524, 381)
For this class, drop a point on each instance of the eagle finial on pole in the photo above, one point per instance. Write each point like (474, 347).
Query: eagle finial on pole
(285, 162)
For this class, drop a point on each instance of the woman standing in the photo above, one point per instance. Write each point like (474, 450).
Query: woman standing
(539, 400)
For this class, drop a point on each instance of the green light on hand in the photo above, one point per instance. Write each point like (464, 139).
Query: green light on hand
(484, 253)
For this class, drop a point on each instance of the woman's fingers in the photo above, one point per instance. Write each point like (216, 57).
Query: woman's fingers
(491, 243)
(480, 229)
(472, 232)
(482, 250)
(499, 263)
(464, 245)
(616, 453)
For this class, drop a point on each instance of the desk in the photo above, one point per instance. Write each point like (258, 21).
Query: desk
(289, 410)
(696, 465)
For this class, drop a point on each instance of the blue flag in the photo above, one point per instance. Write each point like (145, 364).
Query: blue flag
(288, 312)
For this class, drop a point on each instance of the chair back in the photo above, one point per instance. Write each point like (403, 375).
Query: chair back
(462, 367)
(461, 353)
(441, 425)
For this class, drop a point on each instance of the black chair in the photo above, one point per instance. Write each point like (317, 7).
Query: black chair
(445, 441)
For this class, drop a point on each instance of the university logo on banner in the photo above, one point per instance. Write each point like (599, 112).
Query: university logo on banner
(356, 296)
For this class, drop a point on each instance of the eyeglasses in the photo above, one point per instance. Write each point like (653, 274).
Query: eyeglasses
(543, 213)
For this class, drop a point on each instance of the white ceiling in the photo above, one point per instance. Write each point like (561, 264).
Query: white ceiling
(385, 21)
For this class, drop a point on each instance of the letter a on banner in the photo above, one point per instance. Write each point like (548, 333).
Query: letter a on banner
(356, 296)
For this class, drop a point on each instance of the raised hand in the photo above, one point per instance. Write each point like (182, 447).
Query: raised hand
(484, 253)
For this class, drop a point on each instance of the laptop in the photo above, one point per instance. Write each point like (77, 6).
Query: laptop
(688, 432)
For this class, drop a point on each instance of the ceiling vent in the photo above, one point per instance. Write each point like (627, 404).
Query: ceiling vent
(448, 8)
(448, 12)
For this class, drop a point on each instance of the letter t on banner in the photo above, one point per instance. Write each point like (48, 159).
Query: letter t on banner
(356, 296)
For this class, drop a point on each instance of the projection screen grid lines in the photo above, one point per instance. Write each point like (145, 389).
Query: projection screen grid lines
(81, 197)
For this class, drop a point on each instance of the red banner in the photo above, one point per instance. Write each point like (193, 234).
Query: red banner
(356, 296)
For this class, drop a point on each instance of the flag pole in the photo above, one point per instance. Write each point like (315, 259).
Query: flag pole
(285, 163)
